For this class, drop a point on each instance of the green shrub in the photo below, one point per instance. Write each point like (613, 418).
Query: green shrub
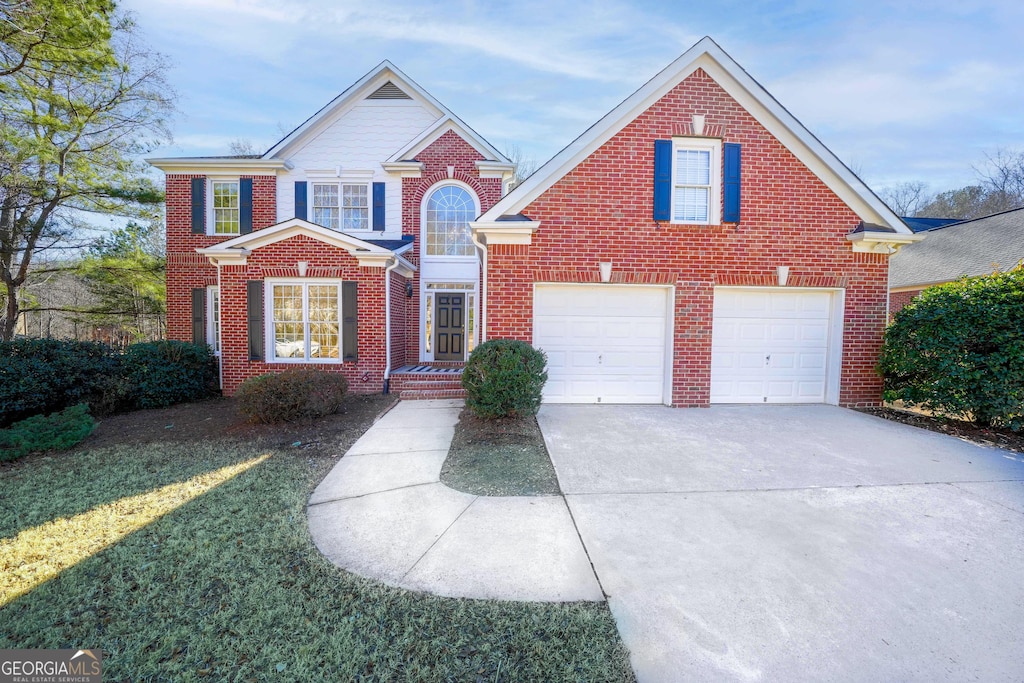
(40, 376)
(56, 432)
(504, 378)
(158, 374)
(958, 349)
(291, 395)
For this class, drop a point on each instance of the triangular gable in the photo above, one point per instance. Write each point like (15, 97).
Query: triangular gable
(732, 78)
(236, 250)
(386, 77)
(291, 228)
(439, 128)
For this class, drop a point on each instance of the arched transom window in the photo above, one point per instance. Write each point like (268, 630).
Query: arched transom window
(449, 210)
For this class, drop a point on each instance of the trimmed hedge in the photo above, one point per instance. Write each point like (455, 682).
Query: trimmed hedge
(504, 378)
(291, 395)
(56, 432)
(958, 349)
(39, 376)
(42, 376)
(159, 374)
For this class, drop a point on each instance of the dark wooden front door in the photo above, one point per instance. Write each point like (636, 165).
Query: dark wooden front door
(450, 327)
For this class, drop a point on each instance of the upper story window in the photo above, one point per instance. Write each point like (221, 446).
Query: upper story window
(343, 206)
(448, 211)
(225, 207)
(696, 181)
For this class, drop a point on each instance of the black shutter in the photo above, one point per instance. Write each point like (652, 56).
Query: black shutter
(662, 180)
(300, 199)
(245, 206)
(199, 316)
(199, 206)
(378, 206)
(254, 304)
(349, 324)
(731, 188)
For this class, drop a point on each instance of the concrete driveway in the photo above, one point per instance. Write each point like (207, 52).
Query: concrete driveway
(797, 543)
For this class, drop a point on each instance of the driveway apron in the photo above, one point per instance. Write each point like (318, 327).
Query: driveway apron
(798, 543)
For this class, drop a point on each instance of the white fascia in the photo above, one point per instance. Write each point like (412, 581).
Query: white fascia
(220, 166)
(404, 169)
(449, 122)
(881, 242)
(504, 232)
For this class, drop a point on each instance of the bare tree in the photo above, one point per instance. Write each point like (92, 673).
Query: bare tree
(1002, 175)
(243, 147)
(70, 141)
(907, 198)
(525, 165)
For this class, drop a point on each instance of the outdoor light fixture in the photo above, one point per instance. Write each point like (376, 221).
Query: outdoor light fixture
(606, 271)
(408, 290)
(783, 275)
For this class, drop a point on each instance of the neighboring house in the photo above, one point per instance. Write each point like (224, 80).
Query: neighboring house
(696, 245)
(973, 247)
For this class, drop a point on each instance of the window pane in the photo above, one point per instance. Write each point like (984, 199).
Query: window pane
(325, 205)
(225, 207)
(449, 210)
(693, 167)
(691, 204)
(323, 340)
(355, 207)
(306, 313)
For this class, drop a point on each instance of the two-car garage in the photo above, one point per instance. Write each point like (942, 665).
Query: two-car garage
(612, 343)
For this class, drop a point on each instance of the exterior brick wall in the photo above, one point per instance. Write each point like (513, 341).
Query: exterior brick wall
(602, 211)
(897, 300)
(187, 270)
(448, 150)
(399, 321)
(279, 260)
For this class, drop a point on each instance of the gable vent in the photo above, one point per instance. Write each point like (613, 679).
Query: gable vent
(388, 91)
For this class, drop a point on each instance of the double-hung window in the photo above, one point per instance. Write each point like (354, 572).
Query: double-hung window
(305, 321)
(344, 206)
(696, 181)
(226, 218)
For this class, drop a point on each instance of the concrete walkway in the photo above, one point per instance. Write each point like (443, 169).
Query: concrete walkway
(382, 513)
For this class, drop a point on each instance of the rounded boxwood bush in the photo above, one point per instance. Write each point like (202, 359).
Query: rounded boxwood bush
(504, 378)
(291, 395)
(158, 374)
(958, 349)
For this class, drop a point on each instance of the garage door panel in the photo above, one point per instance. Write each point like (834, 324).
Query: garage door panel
(770, 346)
(611, 341)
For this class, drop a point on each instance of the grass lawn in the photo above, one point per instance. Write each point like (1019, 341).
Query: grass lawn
(190, 560)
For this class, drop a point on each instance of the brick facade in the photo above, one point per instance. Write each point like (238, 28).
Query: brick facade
(187, 270)
(449, 150)
(602, 211)
(897, 300)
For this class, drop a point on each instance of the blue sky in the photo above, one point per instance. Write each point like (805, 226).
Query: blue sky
(910, 90)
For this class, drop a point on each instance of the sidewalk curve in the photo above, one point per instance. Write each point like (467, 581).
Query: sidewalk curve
(383, 513)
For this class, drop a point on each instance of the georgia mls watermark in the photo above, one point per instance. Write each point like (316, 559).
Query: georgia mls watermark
(51, 666)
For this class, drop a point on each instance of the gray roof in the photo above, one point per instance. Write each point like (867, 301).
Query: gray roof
(975, 247)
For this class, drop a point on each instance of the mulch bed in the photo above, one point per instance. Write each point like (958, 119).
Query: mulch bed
(219, 418)
(1000, 438)
(501, 457)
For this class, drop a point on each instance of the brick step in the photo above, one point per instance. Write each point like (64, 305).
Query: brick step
(429, 394)
(424, 384)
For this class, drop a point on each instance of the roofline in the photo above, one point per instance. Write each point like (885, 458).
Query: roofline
(971, 220)
(706, 54)
(218, 164)
(437, 129)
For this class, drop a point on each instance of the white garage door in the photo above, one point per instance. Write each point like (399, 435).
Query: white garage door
(770, 345)
(605, 343)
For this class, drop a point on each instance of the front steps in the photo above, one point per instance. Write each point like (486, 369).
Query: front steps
(422, 382)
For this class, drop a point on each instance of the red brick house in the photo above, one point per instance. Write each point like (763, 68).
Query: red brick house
(696, 245)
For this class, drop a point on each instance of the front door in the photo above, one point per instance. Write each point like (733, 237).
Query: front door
(450, 326)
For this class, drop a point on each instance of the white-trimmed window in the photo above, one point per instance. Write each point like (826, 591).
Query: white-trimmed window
(213, 318)
(341, 206)
(696, 181)
(447, 213)
(225, 205)
(304, 321)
